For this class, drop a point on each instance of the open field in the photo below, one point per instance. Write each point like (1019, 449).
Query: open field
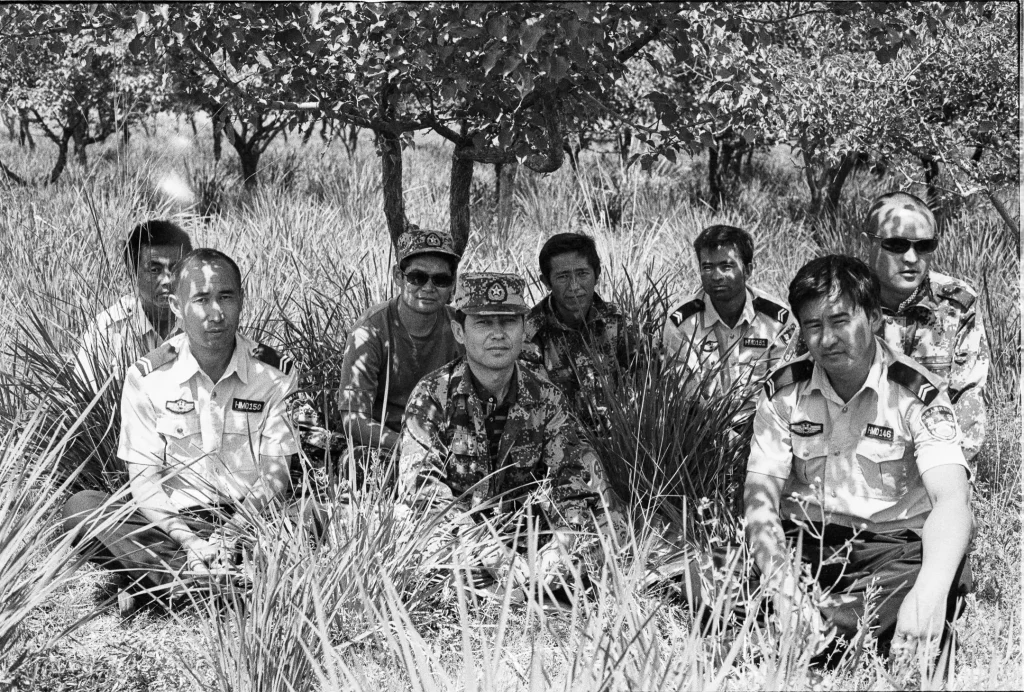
(314, 248)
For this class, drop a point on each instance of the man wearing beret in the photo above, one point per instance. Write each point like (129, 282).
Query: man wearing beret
(488, 445)
(931, 317)
(397, 342)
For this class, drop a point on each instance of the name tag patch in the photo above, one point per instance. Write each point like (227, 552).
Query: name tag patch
(879, 432)
(806, 428)
(247, 405)
(180, 406)
(751, 342)
(940, 422)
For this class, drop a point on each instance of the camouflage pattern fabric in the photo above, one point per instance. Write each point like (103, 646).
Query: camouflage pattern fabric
(940, 328)
(490, 293)
(416, 241)
(578, 361)
(543, 469)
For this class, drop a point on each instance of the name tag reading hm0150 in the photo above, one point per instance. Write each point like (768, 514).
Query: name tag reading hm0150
(247, 405)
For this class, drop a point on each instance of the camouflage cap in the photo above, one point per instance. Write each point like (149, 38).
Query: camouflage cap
(416, 241)
(490, 293)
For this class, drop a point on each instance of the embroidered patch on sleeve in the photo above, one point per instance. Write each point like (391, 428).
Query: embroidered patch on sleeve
(247, 405)
(752, 342)
(940, 422)
(879, 432)
(806, 428)
(180, 406)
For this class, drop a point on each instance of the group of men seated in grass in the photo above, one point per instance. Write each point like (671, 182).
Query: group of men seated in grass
(870, 381)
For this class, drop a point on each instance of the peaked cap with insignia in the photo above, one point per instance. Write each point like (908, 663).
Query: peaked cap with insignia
(490, 293)
(416, 241)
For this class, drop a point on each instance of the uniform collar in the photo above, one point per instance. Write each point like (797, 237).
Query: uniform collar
(711, 316)
(922, 299)
(875, 381)
(524, 397)
(186, 366)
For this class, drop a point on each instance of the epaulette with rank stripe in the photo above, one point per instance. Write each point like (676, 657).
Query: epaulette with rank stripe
(265, 354)
(687, 310)
(157, 358)
(771, 308)
(797, 371)
(917, 383)
(957, 294)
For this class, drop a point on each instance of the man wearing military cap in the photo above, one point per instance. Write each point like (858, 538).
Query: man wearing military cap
(728, 334)
(205, 436)
(139, 321)
(488, 443)
(931, 317)
(579, 338)
(397, 342)
(856, 453)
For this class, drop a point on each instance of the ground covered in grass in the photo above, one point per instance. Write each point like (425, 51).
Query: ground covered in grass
(313, 245)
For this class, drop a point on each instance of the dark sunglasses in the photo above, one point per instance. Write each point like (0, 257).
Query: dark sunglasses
(899, 246)
(420, 278)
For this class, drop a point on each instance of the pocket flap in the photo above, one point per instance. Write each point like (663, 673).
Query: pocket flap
(177, 425)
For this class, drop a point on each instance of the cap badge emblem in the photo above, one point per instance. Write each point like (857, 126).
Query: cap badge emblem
(496, 292)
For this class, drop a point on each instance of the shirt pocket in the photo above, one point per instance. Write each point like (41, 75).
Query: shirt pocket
(241, 436)
(887, 472)
(809, 456)
(182, 435)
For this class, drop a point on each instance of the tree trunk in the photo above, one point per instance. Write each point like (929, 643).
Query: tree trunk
(249, 157)
(836, 179)
(62, 158)
(714, 179)
(218, 138)
(389, 148)
(931, 175)
(625, 143)
(506, 184)
(458, 201)
(79, 126)
(353, 140)
(12, 176)
(192, 123)
(1013, 226)
(24, 131)
(9, 122)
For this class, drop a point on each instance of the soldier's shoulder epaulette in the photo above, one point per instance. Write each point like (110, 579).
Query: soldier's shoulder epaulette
(958, 293)
(157, 358)
(914, 381)
(269, 356)
(789, 374)
(777, 312)
(686, 311)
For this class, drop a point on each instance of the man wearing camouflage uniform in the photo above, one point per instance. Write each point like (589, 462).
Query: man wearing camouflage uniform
(931, 317)
(573, 333)
(487, 444)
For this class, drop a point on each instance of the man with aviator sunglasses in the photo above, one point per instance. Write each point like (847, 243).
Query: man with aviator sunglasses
(928, 316)
(397, 342)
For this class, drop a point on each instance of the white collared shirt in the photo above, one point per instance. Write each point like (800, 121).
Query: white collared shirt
(857, 463)
(697, 338)
(210, 440)
(115, 339)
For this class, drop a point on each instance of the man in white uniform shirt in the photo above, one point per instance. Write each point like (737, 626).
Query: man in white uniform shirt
(204, 434)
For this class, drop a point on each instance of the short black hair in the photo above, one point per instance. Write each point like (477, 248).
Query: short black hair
(153, 232)
(835, 275)
(205, 254)
(564, 243)
(720, 235)
(903, 200)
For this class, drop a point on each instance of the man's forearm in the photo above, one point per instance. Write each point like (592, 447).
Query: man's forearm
(364, 430)
(944, 538)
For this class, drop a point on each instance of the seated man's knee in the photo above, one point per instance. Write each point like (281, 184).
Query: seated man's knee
(80, 507)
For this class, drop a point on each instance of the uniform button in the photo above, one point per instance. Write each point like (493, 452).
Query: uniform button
(181, 430)
(834, 493)
(845, 409)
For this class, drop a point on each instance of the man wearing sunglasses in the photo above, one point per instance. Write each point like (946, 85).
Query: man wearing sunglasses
(397, 342)
(928, 316)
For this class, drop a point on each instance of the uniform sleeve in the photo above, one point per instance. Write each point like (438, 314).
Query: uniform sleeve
(936, 434)
(771, 448)
(967, 378)
(570, 494)
(278, 438)
(139, 442)
(360, 371)
(672, 340)
(421, 475)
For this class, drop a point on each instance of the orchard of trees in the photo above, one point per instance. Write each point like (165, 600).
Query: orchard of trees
(919, 88)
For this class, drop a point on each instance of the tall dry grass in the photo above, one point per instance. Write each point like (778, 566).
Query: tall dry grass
(350, 612)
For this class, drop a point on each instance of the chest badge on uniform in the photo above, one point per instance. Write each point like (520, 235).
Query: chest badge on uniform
(247, 405)
(940, 422)
(806, 428)
(879, 432)
(752, 342)
(181, 406)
